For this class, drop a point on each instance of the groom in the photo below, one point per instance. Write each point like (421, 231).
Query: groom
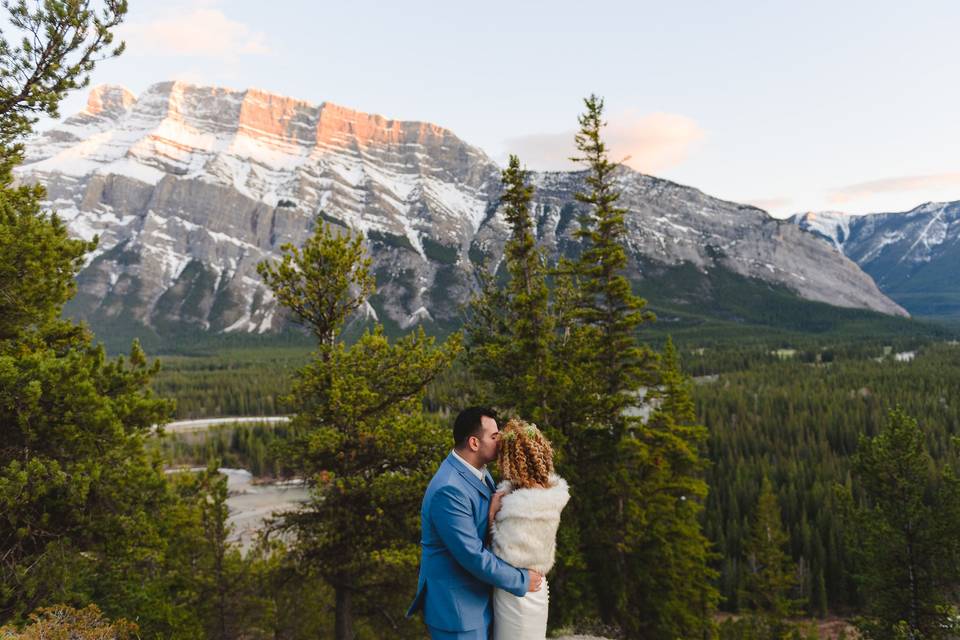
(457, 571)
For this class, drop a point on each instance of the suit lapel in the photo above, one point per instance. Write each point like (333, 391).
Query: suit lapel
(469, 477)
(489, 478)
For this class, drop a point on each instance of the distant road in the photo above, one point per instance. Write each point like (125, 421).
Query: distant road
(181, 426)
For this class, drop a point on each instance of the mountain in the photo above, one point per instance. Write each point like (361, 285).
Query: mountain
(913, 256)
(188, 187)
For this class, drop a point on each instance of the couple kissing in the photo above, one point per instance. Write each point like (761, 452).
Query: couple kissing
(486, 548)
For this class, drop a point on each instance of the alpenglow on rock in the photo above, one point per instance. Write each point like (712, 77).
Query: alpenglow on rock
(189, 187)
(913, 256)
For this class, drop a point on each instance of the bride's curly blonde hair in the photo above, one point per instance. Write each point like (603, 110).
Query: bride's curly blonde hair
(525, 456)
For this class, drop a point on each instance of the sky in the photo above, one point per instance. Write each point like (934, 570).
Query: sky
(793, 107)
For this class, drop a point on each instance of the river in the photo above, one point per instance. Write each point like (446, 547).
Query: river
(249, 502)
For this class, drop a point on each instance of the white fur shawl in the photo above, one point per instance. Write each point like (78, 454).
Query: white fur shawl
(525, 529)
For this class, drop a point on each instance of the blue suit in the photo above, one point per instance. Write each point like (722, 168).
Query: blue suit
(457, 571)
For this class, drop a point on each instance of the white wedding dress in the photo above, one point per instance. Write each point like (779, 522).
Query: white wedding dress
(524, 534)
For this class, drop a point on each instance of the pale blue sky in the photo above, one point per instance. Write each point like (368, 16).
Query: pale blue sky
(792, 106)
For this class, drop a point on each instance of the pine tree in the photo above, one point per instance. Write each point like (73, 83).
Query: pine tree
(605, 303)
(820, 596)
(85, 508)
(511, 328)
(770, 574)
(367, 451)
(519, 354)
(670, 585)
(321, 283)
(908, 527)
(66, 39)
(603, 368)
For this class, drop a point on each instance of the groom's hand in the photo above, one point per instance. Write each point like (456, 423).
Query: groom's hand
(536, 579)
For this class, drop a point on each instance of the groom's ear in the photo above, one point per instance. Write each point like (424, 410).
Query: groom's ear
(474, 443)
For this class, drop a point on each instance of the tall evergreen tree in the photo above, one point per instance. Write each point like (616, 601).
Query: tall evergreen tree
(769, 573)
(670, 590)
(85, 509)
(605, 303)
(911, 553)
(322, 283)
(604, 366)
(520, 355)
(367, 451)
(511, 328)
(59, 43)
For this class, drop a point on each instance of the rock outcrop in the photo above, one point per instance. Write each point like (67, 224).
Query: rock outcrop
(913, 256)
(189, 187)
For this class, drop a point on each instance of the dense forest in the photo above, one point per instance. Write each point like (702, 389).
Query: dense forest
(792, 416)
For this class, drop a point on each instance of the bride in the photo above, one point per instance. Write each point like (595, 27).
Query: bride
(524, 516)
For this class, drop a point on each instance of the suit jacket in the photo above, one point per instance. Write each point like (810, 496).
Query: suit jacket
(457, 571)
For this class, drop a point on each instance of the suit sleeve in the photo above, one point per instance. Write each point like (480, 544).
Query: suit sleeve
(453, 519)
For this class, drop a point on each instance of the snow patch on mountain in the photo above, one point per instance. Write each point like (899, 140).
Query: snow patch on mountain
(912, 255)
(189, 188)
(832, 225)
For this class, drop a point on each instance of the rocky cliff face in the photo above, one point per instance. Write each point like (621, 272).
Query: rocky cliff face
(189, 187)
(913, 256)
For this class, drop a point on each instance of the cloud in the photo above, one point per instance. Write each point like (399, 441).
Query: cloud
(871, 188)
(203, 31)
(648, 143)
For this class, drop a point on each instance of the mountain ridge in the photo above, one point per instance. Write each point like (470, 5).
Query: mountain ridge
(189, 187)
(912, 255)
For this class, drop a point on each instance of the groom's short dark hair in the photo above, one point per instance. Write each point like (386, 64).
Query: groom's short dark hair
(470, 423)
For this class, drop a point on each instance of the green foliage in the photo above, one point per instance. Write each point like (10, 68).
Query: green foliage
(439, 252)
(719, 303)
(511, 329)
(602, 367)
(630, 549)
(770, 575)
(323, 282)
(604, 305)
(88, 515)
(670, 590)
(907, 528)
(641, 483)
(232, 381)
(73, 474)
(390, 240)
(39, 261)
(366, 450)
(798, 424)
(254, 447)
(63, 622)
(60, 42)
(82, 503)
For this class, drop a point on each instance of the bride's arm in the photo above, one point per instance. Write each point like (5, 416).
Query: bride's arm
(495, 504)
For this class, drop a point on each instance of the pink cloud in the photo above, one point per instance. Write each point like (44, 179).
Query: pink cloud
(648, 143)
(861, 190)
(198, 32)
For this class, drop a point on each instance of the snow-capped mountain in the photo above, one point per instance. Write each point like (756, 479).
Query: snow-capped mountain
(830, 225)
(913, 256)
(189, 187)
